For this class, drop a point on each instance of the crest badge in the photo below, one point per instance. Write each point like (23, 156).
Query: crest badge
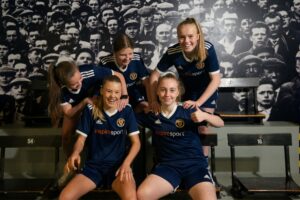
(133, 76)
(200, 65)
(120, 122)
(179, 123)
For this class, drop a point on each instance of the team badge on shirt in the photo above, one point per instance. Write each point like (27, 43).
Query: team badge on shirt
(200, 65)
(179, 123)
(120, 122)
(133, 76)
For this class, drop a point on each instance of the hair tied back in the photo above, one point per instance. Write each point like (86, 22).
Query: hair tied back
(63, 59)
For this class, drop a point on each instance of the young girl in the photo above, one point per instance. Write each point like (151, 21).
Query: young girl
(178, 151)
(105, 129)
(131, 65)
(196, 62)
(71, 89)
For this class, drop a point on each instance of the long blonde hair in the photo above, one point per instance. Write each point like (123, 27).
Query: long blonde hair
(200, 51)
(98, 106)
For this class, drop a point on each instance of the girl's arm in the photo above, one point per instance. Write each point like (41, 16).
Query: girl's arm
(211, 88)
(146, 83)
(214, 120)
(74, 160)
(154, 106)
(124, 101)
(71, 111)
(125, 171)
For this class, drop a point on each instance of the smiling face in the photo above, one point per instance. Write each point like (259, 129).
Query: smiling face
(188, 37)
(75, 82)
(168, 91)
(124, 57)
(111, 94)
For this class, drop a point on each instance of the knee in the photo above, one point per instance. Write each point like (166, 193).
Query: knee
(65, 196)
(143, 193)
(203, 129)
(129, 196)
(125, 193)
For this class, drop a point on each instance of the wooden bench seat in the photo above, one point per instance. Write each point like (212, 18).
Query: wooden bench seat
(251, 118)
(262, 184)
(25, 187)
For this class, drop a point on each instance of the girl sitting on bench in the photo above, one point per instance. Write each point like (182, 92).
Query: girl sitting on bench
(106, 130)
(178, 149)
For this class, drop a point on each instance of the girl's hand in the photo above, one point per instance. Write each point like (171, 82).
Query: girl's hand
(123, 103)
(190, 104)
(89, 100)
(154, 107)
(125, 173)
(73, 163)
(198, 115)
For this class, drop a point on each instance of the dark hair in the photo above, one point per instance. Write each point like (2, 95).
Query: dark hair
(259, 24)
(272, 15)
(122, 41)
(228, 58)
(266, 80)
(87, 50)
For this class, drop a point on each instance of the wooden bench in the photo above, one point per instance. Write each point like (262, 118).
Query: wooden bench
(248, 185)
(23, 187)
(250, 115)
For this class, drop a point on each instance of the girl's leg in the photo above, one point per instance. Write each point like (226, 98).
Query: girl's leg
(125, 189)
(77, 187)
(68, 129)
(154, 187)
(203, 191)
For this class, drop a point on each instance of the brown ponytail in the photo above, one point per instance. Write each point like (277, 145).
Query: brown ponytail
(58, 76)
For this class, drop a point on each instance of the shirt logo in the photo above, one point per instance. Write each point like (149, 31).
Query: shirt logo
(179, 123)
(133, 76)
(207, 177)
(99, 122)
(71, 101)
(120, 122)
(180, 67)
(157, 121)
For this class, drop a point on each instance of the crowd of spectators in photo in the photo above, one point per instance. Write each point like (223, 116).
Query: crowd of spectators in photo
(253, 38)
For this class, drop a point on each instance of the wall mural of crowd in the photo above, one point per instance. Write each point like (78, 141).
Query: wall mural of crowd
(253, 38)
